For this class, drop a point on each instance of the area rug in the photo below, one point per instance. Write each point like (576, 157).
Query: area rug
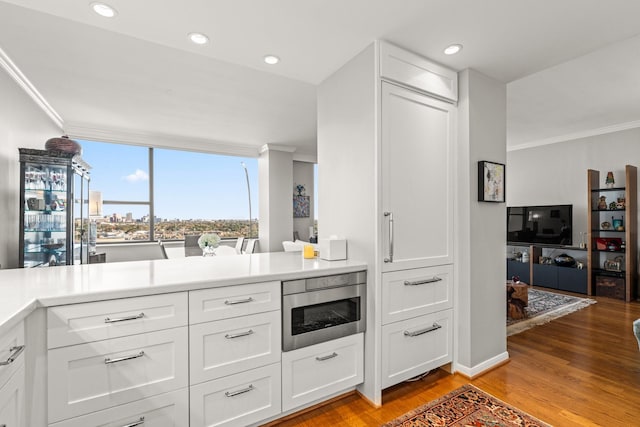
(544, 307)
(467, 406)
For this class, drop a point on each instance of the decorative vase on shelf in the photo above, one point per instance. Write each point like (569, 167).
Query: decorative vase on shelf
(208, 251)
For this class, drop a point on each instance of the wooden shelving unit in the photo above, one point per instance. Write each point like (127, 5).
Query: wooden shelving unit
(595, 217)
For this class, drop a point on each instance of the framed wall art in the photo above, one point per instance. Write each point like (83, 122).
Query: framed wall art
(491, 182)
(301, 206)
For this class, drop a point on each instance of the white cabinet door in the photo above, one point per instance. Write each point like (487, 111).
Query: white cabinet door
(11, 352)
(165, 410)
(316, 372)
(417, 192)
(12, 400)
(412, 347)
(230, 346)
(237, 400)
(415, 292)
(94, 376)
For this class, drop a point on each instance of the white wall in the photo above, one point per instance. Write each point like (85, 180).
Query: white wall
(275, 173)
(481, 235)
(303, 174)
(22, 124)
(557, 173)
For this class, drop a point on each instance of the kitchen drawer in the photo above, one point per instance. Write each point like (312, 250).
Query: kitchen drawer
(319, 371)
(416, 292)
(11, 352)
(413, 70)
(12, 399)
(164, 410)
(414, 346)
(94, 376)
(229, 346)
(233, 301)
(237, 400)
(94, 321)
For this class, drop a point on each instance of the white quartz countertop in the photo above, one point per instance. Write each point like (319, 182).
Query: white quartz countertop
(24, 290)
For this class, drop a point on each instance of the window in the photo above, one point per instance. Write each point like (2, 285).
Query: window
(153, 193)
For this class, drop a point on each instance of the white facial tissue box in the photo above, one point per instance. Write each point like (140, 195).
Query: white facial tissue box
(333, 249)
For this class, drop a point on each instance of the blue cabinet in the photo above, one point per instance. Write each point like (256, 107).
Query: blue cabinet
(517, 268)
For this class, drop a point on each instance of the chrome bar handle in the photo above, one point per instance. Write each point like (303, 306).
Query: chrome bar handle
(108, 361)
(241, 334)
(390, 257)
(435, 327)
(15, 352)
(123, 319)
(135, 423)
(422, 282)
(238, 301)
(235, 393)
(323, 358)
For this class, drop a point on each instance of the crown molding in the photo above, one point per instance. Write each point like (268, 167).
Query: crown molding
(576, 135)
(14, 72)
(150, 139)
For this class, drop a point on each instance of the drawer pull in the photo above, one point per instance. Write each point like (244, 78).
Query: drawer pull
(108, 361)
(15, 352)
(241, 334)
(237, 392)
(323, 358)
(135, 423)
(423, 282)
(435, 327)
(123, 319)
(238, 301)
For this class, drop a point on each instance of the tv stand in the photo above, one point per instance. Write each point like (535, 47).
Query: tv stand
(571, 279)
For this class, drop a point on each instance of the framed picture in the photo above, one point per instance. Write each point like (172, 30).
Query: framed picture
(301, 207)
(491, 182)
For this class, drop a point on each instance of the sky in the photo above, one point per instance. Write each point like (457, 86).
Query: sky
(188, 185)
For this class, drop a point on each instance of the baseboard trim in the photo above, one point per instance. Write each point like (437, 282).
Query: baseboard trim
(484, 367)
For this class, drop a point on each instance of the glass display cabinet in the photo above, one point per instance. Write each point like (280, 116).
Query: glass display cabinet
(54, 194)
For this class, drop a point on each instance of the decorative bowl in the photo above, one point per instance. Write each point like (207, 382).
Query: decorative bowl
(564, 260)
(64, 144)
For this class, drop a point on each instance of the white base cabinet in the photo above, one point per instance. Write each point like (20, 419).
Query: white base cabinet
(95, 376)
(412, 347)
(237, 400)
(312, 373)
(164, 410)
(12, 400)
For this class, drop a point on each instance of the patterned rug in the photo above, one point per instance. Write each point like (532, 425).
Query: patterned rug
(467, 406)
(544, 307)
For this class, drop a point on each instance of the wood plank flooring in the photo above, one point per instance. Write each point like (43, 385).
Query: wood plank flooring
(580, 370)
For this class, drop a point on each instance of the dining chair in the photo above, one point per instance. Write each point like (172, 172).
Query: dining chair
(251, 246)
(239, 244)
(191, 247)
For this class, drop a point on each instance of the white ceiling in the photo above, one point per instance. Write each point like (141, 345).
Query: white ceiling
(137, 77)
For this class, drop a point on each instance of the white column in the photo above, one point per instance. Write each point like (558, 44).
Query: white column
(275, 172)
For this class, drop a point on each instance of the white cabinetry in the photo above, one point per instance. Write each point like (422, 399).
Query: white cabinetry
(316, 372)
(12, 377)
(123, 350)
(387, 127)
(417, 199)
(235, 354)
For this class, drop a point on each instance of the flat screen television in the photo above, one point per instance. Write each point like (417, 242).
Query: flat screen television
(549, 225)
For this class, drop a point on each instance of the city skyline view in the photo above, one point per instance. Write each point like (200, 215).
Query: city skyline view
(188, 185)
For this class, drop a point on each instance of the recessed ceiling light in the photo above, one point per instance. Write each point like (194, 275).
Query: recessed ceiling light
(198, 38)
(271, 59)
(103, 10)
(453, 49)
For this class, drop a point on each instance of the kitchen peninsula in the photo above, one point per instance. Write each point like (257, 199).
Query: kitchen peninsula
(143, 332)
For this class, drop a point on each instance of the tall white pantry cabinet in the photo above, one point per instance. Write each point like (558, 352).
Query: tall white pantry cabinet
(386, 135)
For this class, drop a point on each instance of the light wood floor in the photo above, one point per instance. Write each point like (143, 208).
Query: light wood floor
(580, 370)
